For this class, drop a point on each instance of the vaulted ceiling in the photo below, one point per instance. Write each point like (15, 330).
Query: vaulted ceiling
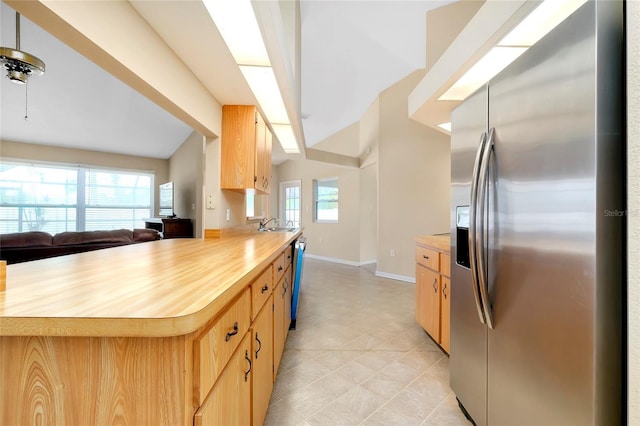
(351, 51)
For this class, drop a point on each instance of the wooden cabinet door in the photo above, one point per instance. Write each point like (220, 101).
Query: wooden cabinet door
(445, 314)
(260, 142)
(229, 403)
(238, 148)
(287, 293)
(278, 327)
(428, 301)
(262, 354)
(268, 146)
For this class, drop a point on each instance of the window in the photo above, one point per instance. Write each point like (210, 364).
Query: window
(290, 203)
(55, 198)
(326, 200)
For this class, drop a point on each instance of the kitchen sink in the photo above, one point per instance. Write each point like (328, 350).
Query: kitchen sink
(277, 229)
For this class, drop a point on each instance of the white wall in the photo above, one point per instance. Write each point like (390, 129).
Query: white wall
(413, 181)
(334, 240)
(186, 172)
(633, 201)
(368, 213)
(222, 200)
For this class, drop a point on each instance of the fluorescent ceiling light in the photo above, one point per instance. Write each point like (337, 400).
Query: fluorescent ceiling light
(264, 86)
(237, 24)
(445, 126)
(538, 23)
(483, 70)
(284, 133)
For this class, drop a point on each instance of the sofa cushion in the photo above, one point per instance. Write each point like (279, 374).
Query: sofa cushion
(141, 235)
(93, 237)
(26, 239)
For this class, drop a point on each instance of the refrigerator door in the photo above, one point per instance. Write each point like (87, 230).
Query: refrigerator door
(554, 353)
(468, 359)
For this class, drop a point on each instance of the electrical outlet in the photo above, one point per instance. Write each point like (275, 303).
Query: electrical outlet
(228, 215)
(393, 252)
(210, 202)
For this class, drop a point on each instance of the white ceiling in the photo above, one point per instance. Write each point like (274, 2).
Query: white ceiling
(351, 51)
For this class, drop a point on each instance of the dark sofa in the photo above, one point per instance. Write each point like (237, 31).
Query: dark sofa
(25, 246)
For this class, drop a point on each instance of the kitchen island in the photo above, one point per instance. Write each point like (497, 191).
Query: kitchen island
(143, 334)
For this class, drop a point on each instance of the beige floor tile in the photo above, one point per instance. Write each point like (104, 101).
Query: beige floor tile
(358, 356)
(447, 414)
(281, 414)
(335, 415)
(361, 401)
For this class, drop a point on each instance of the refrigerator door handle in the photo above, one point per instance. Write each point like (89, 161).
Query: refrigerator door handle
(481, 237)
(473, 208)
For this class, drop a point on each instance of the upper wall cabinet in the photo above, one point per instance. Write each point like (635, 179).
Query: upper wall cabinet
(245, 150)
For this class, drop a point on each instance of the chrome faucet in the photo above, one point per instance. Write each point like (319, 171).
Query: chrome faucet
(263, 225)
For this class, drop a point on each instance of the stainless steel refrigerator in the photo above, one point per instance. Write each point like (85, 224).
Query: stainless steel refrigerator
(538, 232)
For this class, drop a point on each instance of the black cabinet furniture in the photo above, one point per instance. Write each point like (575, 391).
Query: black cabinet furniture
(170, 227)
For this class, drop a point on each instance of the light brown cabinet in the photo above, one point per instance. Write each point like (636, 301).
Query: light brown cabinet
(245, 150)
(262, 355)
(214, 349)
(433, 288)
(281, 305)
(229, 402)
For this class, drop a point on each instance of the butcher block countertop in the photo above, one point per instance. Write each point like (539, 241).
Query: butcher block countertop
(440, 241)
(156, 289)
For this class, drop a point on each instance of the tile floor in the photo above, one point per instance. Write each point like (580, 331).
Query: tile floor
(358, 357)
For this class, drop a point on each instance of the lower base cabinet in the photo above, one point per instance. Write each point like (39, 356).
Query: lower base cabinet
(428, 300)
(278, 328)
(433, 287)
(262, 355)
(281, 317)
(229, 402)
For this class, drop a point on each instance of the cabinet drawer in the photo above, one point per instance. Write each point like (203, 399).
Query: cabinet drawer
(278, 268)
(261, 289)
(215, 347)
(427, 257)
(445, 264)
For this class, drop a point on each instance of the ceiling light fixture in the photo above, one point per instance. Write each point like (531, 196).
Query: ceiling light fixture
(20, 65)
(445, 126)
(536, 25)
(239, 28)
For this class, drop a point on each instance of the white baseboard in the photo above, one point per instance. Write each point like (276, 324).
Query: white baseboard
(396, 277)
(368, 262)
(336, 260)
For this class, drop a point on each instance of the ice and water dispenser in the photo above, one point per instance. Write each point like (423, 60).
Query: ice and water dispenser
(462, 236)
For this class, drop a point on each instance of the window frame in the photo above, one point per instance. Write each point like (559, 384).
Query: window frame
(316, 201)
(79, 220)
(283, 199)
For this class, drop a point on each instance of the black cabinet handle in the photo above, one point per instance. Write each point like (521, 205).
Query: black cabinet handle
(246, 373)
(435, 285)
(444, 290)
(265, 288)
(280, 268)
(232, 333)
(259, 345)
(426, 257)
